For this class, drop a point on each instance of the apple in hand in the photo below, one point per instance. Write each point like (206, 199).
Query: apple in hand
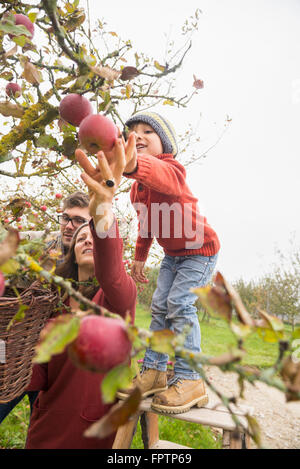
(102, 343)
(25, 21)
(74, 108)
(97, 132)
(13, 89)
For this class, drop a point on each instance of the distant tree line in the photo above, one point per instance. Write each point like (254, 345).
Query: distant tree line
(277, 293)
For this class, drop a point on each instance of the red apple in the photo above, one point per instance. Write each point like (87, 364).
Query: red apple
(25, 21)
(13, 89)
(97, 132)
(102, 344)
(74, 108)
(58, 196)
(43, 208)
(2, 284)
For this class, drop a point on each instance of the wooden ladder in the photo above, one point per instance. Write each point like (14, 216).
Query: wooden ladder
(211, 415)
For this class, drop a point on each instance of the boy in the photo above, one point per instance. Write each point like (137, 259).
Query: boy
(168, 210)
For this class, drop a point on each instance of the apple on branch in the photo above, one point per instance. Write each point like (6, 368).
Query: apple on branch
(25, 21)
(97, 132)
(74, 108)
(13, 89)
(102, 343)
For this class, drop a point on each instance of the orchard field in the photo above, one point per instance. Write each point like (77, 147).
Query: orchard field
(54, 57)
(216, 337)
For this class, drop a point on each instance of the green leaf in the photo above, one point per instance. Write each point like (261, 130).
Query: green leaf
(296, 334)
(162, 341)
(56, 336)
(19, 316)
(159, 67)
(46, 141)
(20, 40)
(7, 75)
(240, 330)
(10, 267)
(32, 16)
(118, 378)
(215, 300)
(69, 145)
(6, 157)
(270, 328)
(168, 102)
(8, 26)
(268, 335)
(255, 429)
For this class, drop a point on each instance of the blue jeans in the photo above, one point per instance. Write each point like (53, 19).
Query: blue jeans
(7, 407)
(173, 307)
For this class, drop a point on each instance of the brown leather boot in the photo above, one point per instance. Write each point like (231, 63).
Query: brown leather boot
(181, 396)
(150, 382)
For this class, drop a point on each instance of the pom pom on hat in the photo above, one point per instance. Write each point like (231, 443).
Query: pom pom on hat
(161, 126)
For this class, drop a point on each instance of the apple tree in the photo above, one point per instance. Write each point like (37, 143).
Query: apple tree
(53, 58)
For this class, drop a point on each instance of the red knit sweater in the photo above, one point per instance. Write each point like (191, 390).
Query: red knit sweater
(168, 210)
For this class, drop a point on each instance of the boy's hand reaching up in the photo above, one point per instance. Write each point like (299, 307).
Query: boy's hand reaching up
(131, 153)
(137, 272)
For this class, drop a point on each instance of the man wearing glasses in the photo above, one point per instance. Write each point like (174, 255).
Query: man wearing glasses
(75, 213)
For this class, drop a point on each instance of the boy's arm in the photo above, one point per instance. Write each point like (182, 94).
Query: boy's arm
(166, 175)
(142, 248)
(143, 243)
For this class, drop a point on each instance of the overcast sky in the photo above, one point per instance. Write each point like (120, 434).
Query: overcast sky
(248, 54)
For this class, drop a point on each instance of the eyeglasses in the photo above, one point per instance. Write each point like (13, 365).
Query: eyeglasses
(76, 221)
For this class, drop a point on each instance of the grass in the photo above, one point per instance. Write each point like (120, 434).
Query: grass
(216, 338)
(13, 429)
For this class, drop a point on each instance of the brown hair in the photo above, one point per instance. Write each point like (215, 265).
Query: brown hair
(77, 199)
(68, 269)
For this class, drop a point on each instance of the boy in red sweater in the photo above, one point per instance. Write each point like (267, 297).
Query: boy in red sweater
(168, 210)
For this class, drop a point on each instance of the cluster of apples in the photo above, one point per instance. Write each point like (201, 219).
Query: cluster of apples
(96, 132)
(13, 89)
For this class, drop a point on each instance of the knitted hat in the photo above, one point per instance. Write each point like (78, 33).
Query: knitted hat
(161, 126)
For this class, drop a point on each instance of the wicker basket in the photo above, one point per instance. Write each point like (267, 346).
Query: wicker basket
(20, 340)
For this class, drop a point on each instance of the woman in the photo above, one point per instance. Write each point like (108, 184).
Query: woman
(70, 398)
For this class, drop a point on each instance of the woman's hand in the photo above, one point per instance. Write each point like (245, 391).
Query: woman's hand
(101, 195)
(137, 272)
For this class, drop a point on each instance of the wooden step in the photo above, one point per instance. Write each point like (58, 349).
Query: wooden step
(209, 415)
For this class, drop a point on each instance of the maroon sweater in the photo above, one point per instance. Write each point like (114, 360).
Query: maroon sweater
(168, 210)
(70, 398)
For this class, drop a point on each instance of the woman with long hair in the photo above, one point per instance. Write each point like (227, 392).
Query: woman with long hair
(69, 400)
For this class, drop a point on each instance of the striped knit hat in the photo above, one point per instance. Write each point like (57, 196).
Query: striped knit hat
(161, 126)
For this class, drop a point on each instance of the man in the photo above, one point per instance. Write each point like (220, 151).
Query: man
(75, 213)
